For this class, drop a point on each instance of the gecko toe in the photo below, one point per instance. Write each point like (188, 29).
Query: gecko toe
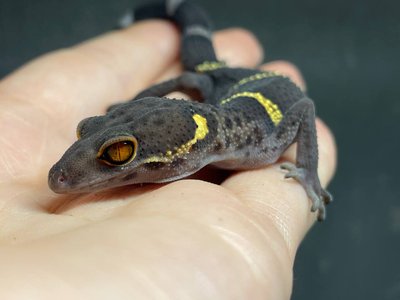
(327, 197)
(293, 171)
(310, 182)
(315, 200)
(321, 213)
(295, 174)
(288, 166)
(318, 205)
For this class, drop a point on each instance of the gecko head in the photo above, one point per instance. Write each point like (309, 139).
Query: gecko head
(92, 163)
(130, 144)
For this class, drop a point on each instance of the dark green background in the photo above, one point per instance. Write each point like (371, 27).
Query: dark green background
(348, 52)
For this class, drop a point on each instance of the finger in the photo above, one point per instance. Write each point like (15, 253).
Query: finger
(239, 48)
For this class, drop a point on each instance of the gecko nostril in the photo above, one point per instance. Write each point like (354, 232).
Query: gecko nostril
(61, 179)
(58, 179)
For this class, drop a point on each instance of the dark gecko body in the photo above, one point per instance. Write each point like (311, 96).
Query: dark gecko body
(244, 119)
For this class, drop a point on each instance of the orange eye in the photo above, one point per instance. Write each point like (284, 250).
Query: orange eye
(119, 151)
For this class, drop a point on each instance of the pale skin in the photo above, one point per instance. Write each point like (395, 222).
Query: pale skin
(191, 239)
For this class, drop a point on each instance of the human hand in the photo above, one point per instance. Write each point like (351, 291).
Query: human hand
(185, 240)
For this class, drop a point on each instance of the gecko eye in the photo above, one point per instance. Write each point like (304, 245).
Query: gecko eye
(118, 151)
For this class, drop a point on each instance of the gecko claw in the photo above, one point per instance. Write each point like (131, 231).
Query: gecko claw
(318, 196)
(315, 200)
(328, 198)
(321, 213)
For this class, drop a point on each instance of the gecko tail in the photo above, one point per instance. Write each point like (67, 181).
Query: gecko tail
(196, 45)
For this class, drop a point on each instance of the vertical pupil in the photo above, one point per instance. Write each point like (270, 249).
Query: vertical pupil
(120, 152)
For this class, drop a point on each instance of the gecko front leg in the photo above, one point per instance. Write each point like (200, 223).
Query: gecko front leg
(301, 117)
(187, 83)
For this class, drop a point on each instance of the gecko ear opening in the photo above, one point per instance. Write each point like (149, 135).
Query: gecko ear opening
(118, 151)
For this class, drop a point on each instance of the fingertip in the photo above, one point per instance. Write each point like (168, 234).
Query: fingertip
(327, 152)
(238, 47)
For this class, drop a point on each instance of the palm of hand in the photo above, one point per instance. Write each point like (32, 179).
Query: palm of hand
(187, 238)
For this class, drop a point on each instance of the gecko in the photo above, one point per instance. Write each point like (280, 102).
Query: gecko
(238, 119)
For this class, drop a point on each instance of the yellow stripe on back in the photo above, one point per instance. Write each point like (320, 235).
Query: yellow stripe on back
(271, 108)
(200, 133)
(257, 76)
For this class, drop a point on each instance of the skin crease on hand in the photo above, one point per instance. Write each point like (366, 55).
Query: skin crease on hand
(186, 240)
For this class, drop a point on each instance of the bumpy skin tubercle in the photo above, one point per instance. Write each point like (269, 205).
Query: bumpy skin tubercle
(244, 119)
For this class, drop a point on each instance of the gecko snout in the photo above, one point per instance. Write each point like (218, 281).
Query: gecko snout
(58, 180)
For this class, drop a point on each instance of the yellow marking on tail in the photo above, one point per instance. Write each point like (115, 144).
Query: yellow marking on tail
(210, 66)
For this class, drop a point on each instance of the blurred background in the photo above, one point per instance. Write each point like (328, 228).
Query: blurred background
(348, 51)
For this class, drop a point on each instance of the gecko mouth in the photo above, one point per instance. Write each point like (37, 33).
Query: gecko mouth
(61, 183)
